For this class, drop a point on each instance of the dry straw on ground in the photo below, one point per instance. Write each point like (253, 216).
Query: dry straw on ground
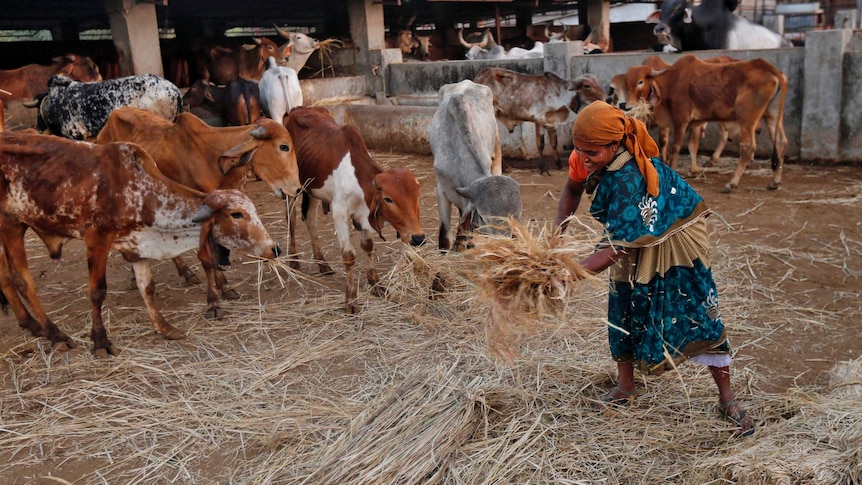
(290, 389)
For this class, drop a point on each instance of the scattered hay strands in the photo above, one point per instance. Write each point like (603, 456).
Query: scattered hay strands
(272, 393)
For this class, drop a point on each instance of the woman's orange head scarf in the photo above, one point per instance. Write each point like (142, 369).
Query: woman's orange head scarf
(600, 123)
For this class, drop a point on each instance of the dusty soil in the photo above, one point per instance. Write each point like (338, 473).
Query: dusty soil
(802, 245)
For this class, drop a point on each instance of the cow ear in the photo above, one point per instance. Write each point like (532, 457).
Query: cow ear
(687, 17)
(654, 17)
(237, 156)
(287, 51)
(655, 94)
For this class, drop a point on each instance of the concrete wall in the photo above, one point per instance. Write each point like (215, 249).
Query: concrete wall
(823, 110)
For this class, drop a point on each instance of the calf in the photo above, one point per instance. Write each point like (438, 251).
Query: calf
(79, 110)
(207, 158)
(691, 90)
(279, 90)
(335, 167)
(545, 100)
(109, 196)
(467, 161)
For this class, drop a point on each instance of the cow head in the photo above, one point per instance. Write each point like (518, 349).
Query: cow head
(587, 88)
(265, 49)
(423, 50)
(231, 223)
(396, 201)
(79, 68)
(554, 37)
(490, 202)
(673, 16)
(272, 156)
(642, 91)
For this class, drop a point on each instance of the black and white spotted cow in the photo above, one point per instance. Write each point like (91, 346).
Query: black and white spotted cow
(79, 110)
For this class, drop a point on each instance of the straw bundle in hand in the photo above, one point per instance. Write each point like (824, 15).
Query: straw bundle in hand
(524, 278)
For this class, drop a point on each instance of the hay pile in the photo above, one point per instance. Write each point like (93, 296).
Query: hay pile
(525, 278)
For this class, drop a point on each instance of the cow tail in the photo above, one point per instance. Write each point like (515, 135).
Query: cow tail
(4, 303)
(779, 123)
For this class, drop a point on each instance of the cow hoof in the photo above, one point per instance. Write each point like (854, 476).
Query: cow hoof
(174, 334)
(105, 352)
(325, 270)
(230, 294)
(773, 186)
(192, 279)
(378, 290)
(294, 265)
(62, 346)
(214, 313)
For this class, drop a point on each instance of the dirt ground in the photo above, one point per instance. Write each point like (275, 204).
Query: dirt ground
(802, 245)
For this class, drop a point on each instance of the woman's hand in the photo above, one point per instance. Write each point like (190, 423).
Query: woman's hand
(602, 259)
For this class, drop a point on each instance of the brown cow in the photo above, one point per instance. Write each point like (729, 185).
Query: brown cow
(109, 196)
(617, 95)
(247, 61)
(236, 104)
(32, 79)
(207, 158)
(692, 90)
(335, 167)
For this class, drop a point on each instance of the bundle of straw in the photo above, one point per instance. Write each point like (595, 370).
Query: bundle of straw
(642, 111)
(524, 278)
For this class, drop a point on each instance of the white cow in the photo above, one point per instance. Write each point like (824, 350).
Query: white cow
(279, 90)
(297, 49)
(468, 162)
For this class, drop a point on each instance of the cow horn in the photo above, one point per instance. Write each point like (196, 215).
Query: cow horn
(656, 72)
(282, 32)
(34, 103)
(204, 213)
(259, 133)
(485, 39)
(466, 44)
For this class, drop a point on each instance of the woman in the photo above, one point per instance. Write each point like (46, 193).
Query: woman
(662, 303)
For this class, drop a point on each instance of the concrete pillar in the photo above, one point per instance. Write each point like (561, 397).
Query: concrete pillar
(135, 30)
(558, 57)
(599, 18)
(822, 93)
(368, 34)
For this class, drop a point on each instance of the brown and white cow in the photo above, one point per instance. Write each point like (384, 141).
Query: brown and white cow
(692, 90)
(112, 197)
(545, 99)
(207, 158)
(335, 167)
(32, 79)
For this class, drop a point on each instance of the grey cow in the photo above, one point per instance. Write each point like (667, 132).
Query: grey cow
(468, 163)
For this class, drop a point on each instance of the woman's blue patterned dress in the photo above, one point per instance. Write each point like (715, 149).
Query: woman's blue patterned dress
(666, 310)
